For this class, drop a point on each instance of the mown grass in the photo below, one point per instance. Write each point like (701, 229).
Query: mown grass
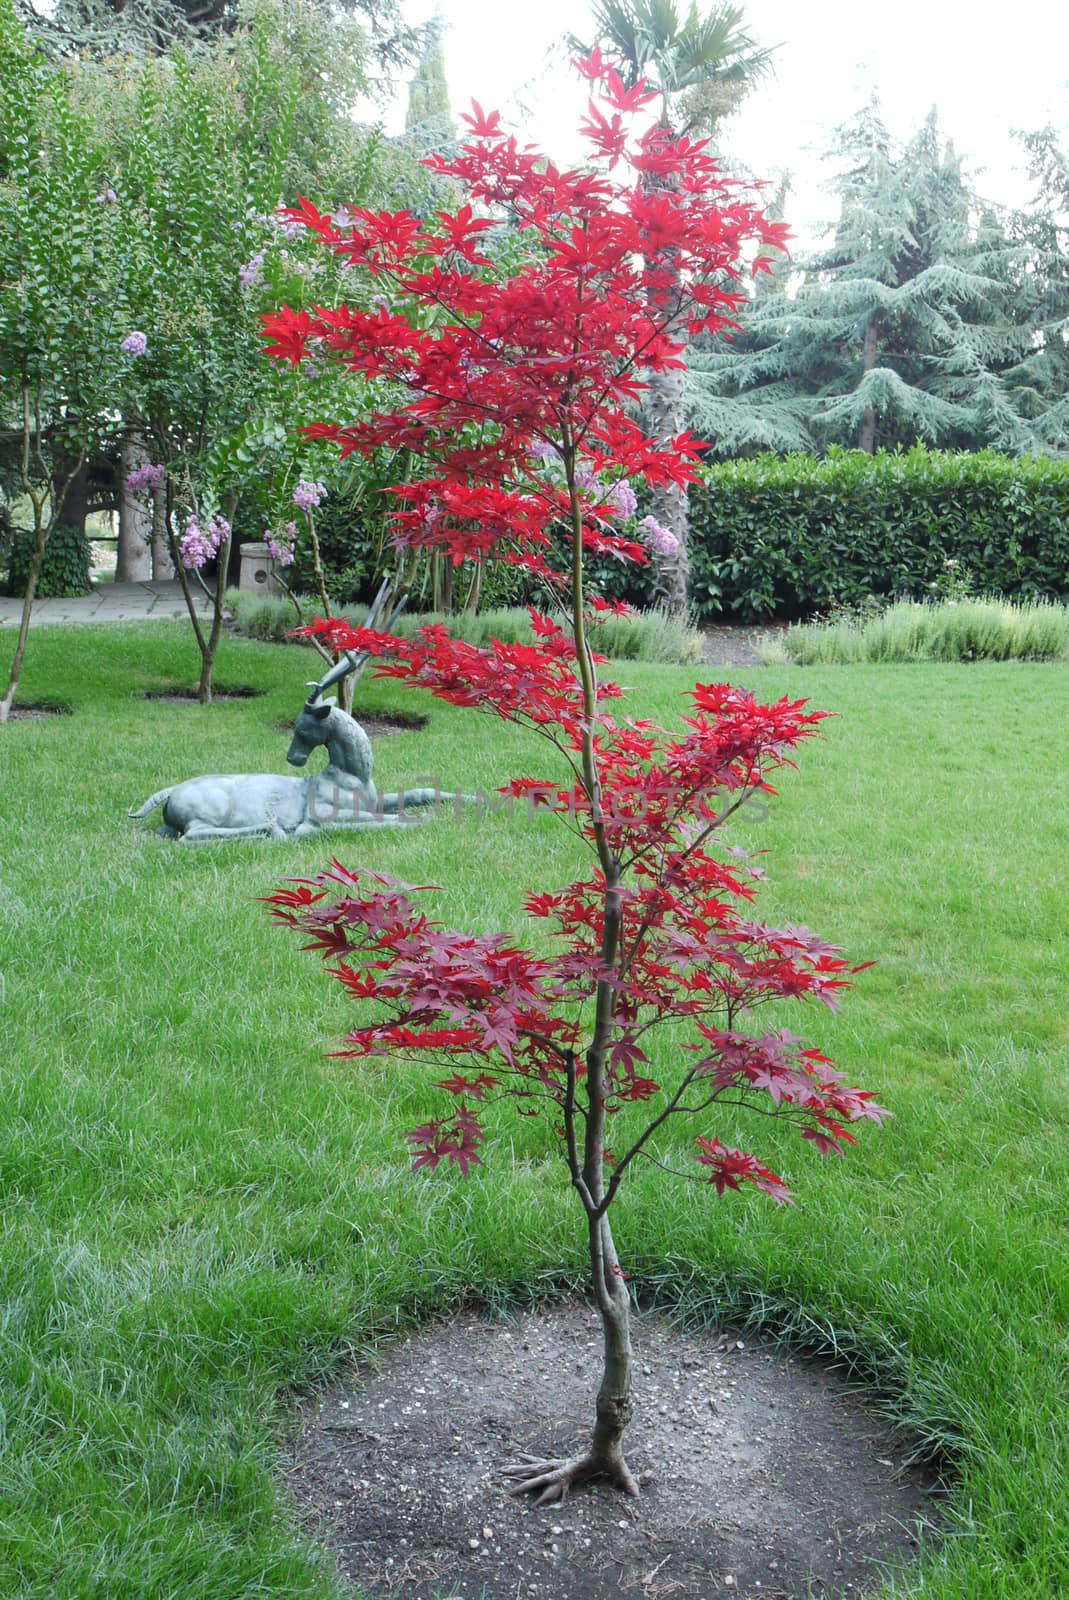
(969, 629)
(203, 1215)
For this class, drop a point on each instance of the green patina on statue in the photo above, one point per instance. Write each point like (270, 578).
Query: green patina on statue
(250, 805)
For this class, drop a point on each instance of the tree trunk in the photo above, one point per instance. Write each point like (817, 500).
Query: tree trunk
(210, 646)
(15, 674)
(442, 575)
(866, 433)
(666, 414)
(162, 560)
(133, 561)
(43, 528)
(666, 407)
(614, 1407)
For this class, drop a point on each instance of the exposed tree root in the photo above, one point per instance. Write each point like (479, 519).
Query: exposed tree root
(552, 1481)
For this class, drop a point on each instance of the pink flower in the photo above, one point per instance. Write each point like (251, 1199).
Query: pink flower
(662, 541)
(106, 197)
(308, 494)
(135, 344)
(249, 271)
(282, 549)
(145, 478)
(622, 498)
(284, 225)
(198, 544)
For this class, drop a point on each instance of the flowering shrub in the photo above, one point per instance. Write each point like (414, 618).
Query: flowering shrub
(282, 547)
(144, 479)
(198, 545)
(516, 401)
(662, 541)
(308, 495)
(135, 344)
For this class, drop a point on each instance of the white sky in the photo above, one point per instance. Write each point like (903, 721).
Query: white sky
(987, 67)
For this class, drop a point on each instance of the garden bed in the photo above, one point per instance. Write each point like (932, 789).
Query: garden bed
(762, 1478)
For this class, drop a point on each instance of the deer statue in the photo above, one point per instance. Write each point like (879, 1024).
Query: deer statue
(249, 805)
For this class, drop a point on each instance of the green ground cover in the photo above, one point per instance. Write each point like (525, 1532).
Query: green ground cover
(203, 1216)
(970, 629)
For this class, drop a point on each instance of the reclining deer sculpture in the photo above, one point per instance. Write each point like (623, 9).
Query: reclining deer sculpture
(341, 795)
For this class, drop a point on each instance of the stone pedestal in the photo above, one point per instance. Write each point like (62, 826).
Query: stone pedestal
(258, 570)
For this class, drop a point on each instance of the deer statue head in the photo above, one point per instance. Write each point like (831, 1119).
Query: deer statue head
(309, 731)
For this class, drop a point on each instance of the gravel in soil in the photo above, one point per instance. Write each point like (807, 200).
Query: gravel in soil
(724, 646)
(763, 1478)
(34, 710)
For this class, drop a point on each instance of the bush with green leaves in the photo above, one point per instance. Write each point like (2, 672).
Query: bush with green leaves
(653, 635)
(793, 536)
(946, 630)
(64, 565)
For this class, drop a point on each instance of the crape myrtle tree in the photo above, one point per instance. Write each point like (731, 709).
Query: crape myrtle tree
(202, 147)
(515, 407)
(55, 323)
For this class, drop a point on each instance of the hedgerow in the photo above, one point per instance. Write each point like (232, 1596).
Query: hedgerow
(791, 536)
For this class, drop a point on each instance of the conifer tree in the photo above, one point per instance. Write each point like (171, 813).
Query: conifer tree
(1039, 292)
(429, 116)
(903, 327)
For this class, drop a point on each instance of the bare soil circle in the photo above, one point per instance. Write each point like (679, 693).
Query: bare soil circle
(763, 1477)
(34, 710)
(179, 696)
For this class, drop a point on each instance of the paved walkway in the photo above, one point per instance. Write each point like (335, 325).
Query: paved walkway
(111, 602)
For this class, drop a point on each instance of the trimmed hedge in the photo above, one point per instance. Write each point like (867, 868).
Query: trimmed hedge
(64, 570)
(791, 536)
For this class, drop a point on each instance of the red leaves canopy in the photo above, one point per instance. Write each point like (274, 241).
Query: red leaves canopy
(691, 954)
(616, 273)
(510, 395)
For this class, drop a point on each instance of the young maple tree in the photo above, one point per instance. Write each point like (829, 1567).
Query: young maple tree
(514, 395)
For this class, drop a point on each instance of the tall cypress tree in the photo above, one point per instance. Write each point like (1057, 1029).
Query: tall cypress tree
(429, 115)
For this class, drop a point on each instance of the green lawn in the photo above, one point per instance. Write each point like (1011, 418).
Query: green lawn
(202, 1215)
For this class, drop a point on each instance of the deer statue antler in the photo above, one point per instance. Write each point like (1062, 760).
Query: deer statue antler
(340, 669)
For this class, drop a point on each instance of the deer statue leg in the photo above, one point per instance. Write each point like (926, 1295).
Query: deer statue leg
(357, 819)
(201, 832)
(393, 803)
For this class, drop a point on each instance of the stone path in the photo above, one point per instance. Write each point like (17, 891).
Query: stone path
(111, 602)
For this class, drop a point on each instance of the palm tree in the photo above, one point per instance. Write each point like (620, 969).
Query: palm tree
(702, 66)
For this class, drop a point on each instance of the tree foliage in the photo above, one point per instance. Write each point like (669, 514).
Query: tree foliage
(1038, 293)
(162, 176)
(56, 323)
(516, 412)
(914, 322)
(104, 29)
